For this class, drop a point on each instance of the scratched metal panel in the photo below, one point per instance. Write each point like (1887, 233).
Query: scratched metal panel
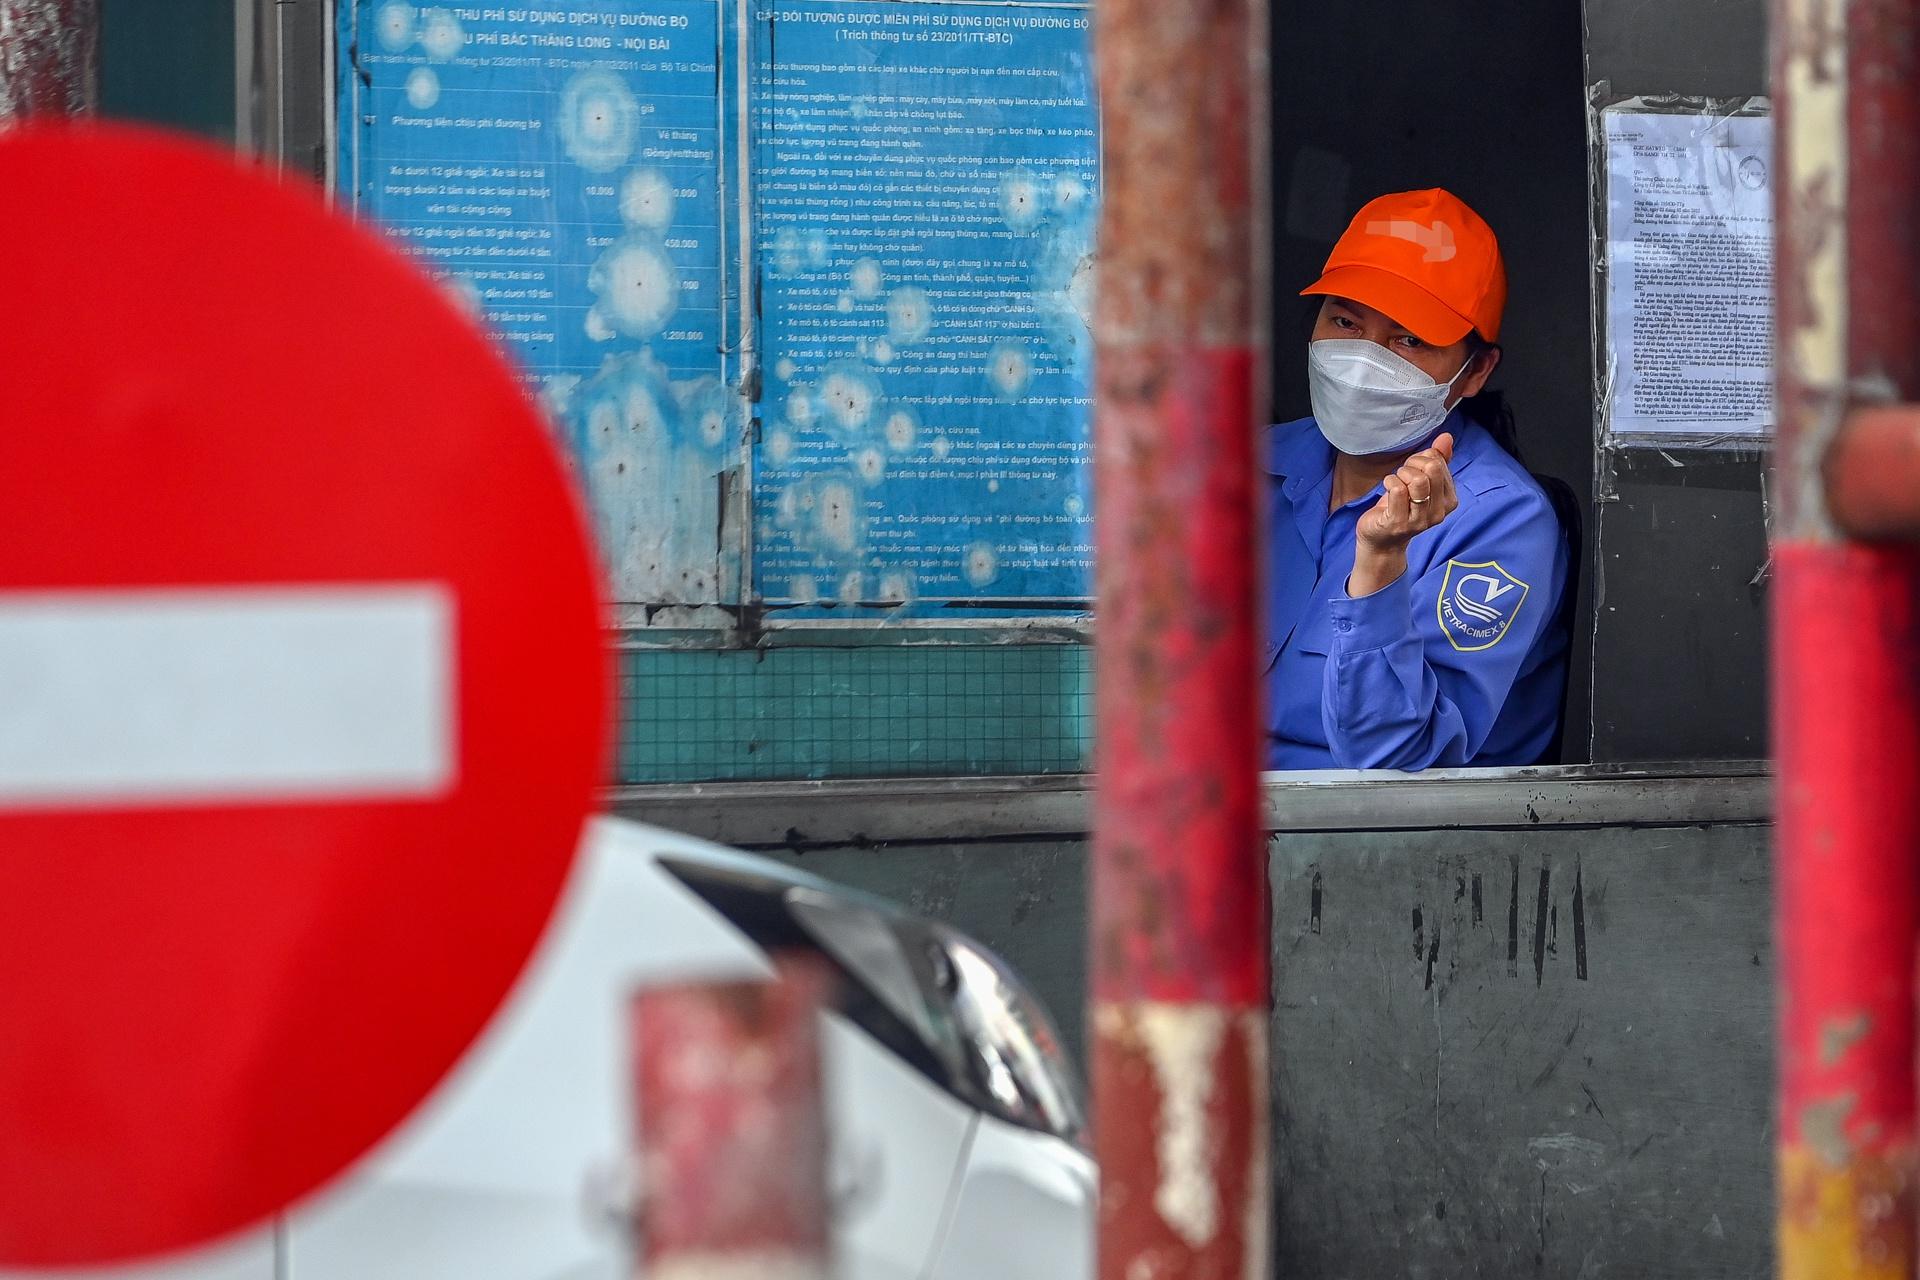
(1453, 1097)
(1508, 1054)
(1682, 591)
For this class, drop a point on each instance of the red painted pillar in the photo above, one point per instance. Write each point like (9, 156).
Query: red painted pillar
(49, 57)
(732, 1171)
(1846, 627)
(1179, 937)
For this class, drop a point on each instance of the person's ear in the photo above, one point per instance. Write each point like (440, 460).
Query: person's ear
(1485, 361)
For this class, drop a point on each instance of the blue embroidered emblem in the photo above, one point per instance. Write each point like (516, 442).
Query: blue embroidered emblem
(1478, 603)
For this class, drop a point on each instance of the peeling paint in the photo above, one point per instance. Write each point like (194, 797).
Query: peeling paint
(1854, 1221)
(1823, 1125)
(1179, 896)
(732, 1143)
(1813, 252)
(1257, 1227)
(1170, 145)
(1196, 1142)
(770, 1264)
(639, 434)
(1840, 1035)
(1183, 1042)
(1816, 86)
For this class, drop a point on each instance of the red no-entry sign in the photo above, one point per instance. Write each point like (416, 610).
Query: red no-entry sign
(301, 692)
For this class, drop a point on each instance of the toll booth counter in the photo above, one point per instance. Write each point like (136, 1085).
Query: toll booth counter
(1522, 1018)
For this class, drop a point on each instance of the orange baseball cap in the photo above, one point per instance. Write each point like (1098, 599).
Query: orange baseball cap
(1426, 260)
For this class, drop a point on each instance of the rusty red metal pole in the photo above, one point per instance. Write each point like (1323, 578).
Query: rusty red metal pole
(732, 1171)
(1870, 473)
(1179, 937)
(49, 57)
(1846, 628)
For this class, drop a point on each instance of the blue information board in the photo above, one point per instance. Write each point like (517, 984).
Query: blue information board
(804, 286)
(924, 196)
(560, 168)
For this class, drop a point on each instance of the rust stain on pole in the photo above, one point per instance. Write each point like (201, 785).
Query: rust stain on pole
(1872, 470)
(1846, 1220)
(1846, 624)
(731, 1135)
(49, 58)
(1181, 114)
(1179, 940)
(1811, 252)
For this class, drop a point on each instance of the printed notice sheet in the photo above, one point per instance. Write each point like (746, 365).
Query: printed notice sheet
(1690, 285)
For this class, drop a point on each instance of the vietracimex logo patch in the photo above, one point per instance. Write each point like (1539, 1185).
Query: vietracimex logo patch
(1478, 603)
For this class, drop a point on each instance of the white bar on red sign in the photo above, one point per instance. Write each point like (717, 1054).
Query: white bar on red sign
(123, 697)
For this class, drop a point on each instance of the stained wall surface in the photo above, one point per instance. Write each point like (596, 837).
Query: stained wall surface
(1495, 1053)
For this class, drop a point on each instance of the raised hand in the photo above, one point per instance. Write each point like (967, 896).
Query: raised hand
(1419, 496)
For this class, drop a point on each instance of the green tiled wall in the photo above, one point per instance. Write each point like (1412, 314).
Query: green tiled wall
(870, 712)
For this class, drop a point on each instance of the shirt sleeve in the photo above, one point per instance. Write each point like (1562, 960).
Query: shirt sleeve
(1419, 671)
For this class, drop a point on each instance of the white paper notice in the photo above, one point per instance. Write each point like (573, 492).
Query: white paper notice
(1690, 298)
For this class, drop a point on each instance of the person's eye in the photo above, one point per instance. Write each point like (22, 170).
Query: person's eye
(1341, 322)
(1412, 343)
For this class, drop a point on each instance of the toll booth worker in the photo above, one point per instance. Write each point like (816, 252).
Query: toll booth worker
(1415, 569)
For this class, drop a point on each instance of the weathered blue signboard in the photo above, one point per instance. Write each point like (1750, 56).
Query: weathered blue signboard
(560, 169)
(925, 177)
(805, 287)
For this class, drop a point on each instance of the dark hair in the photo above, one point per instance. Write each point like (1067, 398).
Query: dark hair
(1490, 408)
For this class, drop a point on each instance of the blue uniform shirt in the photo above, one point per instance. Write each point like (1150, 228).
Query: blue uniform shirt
(1460, 662)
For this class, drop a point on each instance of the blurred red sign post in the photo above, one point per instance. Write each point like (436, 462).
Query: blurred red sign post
(302, 693)
(1179, 937)
(732, 1134)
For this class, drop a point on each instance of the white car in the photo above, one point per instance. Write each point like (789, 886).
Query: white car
(955, 1118)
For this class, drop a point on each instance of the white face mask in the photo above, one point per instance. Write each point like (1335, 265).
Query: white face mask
(1368, 400)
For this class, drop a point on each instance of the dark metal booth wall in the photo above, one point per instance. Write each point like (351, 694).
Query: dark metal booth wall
(1680, 660)
(1497, 1053)
(1522, 1022)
